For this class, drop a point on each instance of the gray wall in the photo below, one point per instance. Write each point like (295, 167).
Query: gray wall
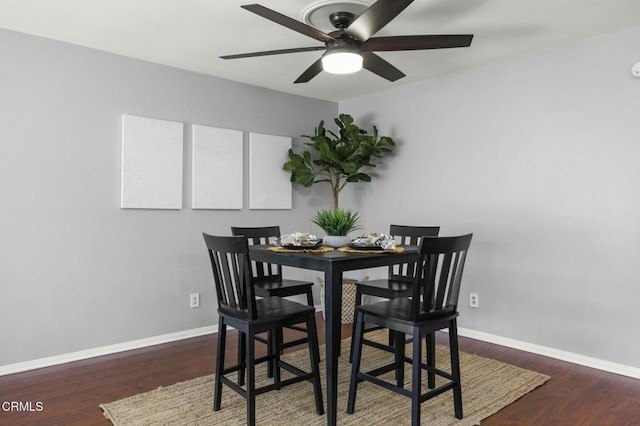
(538, 156)
(76, 271)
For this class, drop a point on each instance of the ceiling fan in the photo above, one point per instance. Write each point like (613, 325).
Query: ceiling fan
(351, 46)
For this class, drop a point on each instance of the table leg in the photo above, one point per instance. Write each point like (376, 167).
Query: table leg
(333, 324)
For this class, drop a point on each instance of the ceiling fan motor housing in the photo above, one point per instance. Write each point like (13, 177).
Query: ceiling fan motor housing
(346, 44)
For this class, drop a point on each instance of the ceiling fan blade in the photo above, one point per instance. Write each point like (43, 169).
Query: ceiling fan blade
(273, 52)
(375, 17)
(377, 65)
(419, 42)
(290, 23)
(310, 72)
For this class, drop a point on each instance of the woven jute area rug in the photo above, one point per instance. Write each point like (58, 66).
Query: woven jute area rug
(487, 386)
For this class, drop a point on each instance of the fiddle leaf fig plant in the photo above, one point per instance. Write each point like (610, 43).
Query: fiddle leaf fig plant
(338, 158)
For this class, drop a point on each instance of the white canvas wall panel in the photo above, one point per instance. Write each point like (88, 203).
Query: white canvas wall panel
(217, 168)
(152, 154)
(269, 185)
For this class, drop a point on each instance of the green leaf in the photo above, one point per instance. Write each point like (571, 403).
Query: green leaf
(346, 119)
(359, 177)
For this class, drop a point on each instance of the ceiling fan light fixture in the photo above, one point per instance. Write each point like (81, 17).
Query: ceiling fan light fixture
(347, 47)
(341, 61)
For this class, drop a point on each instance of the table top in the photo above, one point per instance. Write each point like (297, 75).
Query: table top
(335, 258)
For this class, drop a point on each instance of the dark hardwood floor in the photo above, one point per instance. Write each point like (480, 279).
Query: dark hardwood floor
(70, 393)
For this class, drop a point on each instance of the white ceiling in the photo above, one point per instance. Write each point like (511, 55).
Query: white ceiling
(192, 34)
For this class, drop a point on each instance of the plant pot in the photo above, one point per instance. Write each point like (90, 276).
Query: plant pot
(336, 240)
(348, 298)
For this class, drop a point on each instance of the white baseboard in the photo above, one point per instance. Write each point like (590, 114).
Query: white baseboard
(105, 350)
(110, 349)
(611, 367)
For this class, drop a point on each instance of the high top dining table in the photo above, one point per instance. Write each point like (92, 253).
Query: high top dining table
(333, 264)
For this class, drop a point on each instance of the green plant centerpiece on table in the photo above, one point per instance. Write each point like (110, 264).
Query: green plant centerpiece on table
(338, 159)
(337, 222)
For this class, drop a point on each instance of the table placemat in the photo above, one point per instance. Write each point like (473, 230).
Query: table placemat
(279, 249)
(347, 249)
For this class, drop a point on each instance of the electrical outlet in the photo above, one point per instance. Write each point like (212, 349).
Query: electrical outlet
(194, 300)
(474, 300)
